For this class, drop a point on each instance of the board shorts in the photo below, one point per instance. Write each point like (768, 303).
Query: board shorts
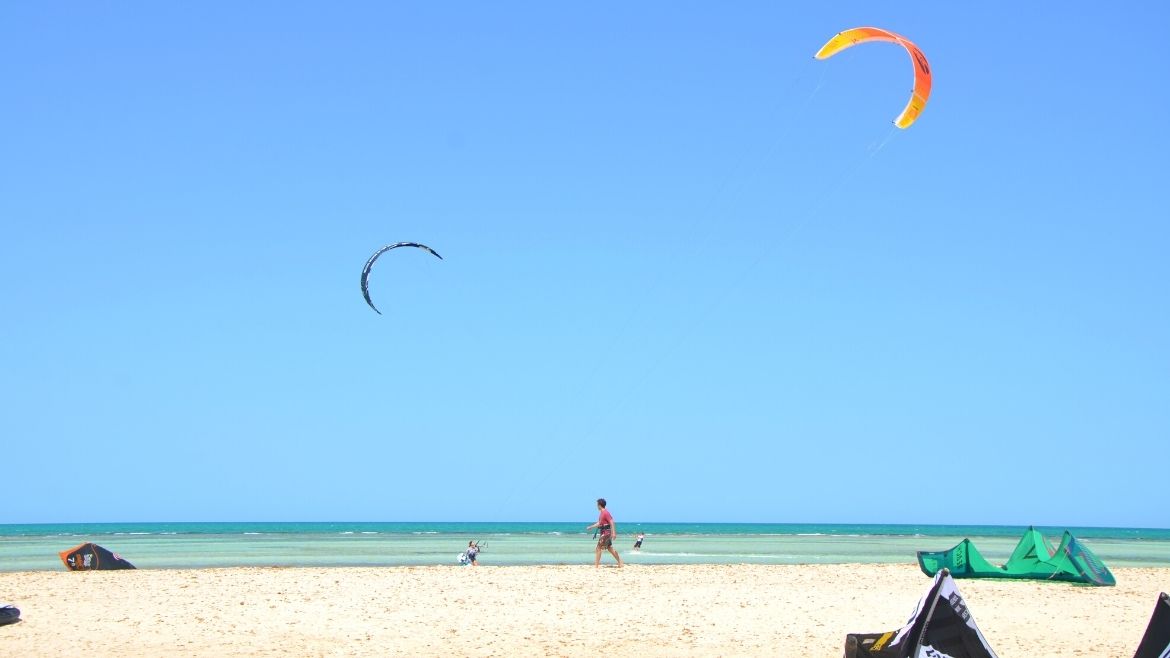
(605, 542)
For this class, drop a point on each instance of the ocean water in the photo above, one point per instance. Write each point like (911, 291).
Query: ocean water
(35, 547)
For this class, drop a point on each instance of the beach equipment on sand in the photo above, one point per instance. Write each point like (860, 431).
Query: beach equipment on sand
(9, 614)
(1033, 559)
(941, 627)
(91, 557)
(1156, 641)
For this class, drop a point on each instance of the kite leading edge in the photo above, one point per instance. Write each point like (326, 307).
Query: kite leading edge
(370, 265)
(921, 92)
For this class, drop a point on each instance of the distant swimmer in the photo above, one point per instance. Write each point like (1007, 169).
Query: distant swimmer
(638, 543)
(608, 529)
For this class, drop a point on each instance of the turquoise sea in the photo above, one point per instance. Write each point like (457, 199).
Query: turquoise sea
(34, 547)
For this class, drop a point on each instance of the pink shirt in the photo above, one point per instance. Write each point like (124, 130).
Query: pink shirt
(603, 519)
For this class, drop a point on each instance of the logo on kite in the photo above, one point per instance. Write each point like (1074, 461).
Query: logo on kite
(370, 265)
(921, 92)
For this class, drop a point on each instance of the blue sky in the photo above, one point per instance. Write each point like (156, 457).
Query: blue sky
(686, 266)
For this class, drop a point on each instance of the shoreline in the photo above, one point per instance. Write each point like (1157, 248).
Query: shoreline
(567, 610)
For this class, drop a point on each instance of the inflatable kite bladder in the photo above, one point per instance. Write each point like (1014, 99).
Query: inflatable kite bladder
(91, 557)
(941, 627)
(1156, 642)
(370, 265)
(921, 92)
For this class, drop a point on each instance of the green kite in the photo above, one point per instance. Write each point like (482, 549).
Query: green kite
(1033, 559)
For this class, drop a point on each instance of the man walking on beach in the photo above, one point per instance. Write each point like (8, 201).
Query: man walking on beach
(608, 530)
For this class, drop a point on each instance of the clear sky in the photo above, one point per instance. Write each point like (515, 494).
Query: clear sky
(687, 267)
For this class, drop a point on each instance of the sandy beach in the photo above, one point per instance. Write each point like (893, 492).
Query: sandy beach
(727, 610)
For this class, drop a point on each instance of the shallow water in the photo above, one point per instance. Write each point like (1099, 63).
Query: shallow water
(205, 545)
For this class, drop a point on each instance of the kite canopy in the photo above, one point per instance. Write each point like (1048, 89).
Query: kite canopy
(91, 557)
(1033, 559)
(941, 626)
(921, 91)
(370, 265)
(1156, 641)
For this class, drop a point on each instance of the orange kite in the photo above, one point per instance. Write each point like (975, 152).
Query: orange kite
(858, 35)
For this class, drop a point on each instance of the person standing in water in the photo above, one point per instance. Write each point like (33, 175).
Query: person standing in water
(638, 543)
(471, 555)
(608, 529)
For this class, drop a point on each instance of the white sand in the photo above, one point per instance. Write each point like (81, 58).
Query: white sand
(643, 611)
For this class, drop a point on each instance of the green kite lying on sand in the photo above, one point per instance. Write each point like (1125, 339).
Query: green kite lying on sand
(1034, 559)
